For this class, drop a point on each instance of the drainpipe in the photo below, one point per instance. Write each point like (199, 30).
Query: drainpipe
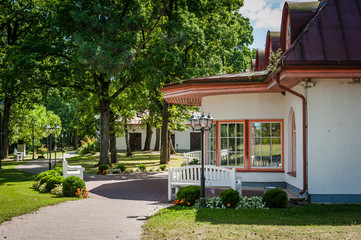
(304, 127)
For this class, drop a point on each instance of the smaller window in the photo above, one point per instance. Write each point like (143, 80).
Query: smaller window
(293, 144)
(288, 38)
(211, 146)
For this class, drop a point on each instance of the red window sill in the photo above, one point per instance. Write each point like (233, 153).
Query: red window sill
(293, 174)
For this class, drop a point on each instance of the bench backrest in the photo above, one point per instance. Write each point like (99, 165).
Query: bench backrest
(192, 174)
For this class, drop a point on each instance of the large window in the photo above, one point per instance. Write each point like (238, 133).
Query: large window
(211, 146)
(232, 144)
(266, 144)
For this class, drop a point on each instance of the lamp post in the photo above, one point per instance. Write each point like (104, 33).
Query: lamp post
(205, 124)
(33, 125)
(1, 132)
(48, 131)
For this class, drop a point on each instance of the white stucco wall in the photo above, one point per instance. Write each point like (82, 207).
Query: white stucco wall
(244, 106)
(334, 137)
(181, 138)
(295, 103)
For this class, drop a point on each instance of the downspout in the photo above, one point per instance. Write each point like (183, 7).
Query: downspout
(304, 129)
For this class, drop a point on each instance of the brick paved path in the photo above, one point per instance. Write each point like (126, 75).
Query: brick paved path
(117, 207)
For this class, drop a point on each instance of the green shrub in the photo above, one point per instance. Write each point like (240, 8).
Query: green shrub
(57, 191)
(103, 169)
(251, 202)
(43, 174)
(230, 198)
(53, 181)
(188, 195)
(89, 146)
(59, 170)
(162, 167)
(71, 184)
(275, 198)
(122, 167)
(41, 150)
(36, 185)
(42, 188)
(142, 167)
(45, 179)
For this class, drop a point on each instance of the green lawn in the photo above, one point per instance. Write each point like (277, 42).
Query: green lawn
(16, 194)
(307, 222)
(151, 160)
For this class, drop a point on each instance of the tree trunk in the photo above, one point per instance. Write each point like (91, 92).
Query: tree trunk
(171, 147)
(113, 148)
(113, 140)
(5, 129)
(104, 131)
(75, 140)
(129, 151)
(164, 151)
(157, 139)
(148, 138)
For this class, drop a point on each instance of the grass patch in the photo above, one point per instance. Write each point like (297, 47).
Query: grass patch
(307, 222)
(151, 160)
(16, 194)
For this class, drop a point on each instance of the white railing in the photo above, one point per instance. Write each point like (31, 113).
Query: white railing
(191, 156)
(191, 175)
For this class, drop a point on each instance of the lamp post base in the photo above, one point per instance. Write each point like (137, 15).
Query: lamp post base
(203, 202)
(49, 165)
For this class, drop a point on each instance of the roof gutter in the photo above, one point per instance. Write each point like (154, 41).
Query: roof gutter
(304, 128)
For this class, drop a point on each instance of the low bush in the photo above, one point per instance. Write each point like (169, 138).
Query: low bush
(122, 167)
(142, 167)
(251, 202)
(103, 169)
(43, 174)
(71, 184)
(36, 185)
(59, 170)
(53, 181)
(275, 198)
(42, 188)
(162, 167)
(45, 179)
(230, 198)
(187, 196)
(89, 145)
(57, 191)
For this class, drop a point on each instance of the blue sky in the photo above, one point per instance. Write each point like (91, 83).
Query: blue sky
(264, 15)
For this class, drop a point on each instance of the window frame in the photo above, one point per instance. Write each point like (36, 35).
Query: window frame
(265, 169)
(218, 144)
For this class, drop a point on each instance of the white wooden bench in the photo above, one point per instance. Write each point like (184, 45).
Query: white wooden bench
(190, 175)
(18, 156)
(72, 170)
(190, 156)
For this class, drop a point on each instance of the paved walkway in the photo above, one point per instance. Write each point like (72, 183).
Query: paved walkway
(117, 207)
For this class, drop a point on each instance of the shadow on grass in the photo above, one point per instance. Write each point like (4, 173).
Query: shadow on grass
(331, 214)
(8, 176)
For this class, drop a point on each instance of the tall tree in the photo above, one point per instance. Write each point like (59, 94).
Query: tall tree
(197, 38)
(107, 35)
(19, 21)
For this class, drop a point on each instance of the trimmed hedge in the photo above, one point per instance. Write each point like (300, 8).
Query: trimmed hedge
(71, 184)
(230, 198)
(275, 198)
(53, 181)
(189, 194)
